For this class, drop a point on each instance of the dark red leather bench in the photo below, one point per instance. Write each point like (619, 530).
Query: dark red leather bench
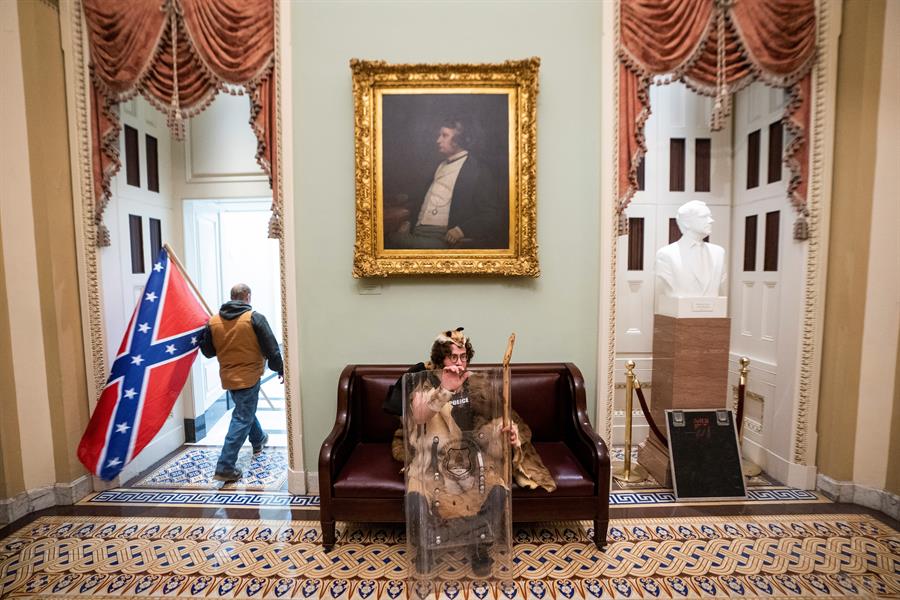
(360, 481)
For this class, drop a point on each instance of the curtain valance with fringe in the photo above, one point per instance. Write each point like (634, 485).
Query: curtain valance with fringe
(716, 47)
(178, 54)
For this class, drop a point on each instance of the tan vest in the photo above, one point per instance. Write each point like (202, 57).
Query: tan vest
(241, 362)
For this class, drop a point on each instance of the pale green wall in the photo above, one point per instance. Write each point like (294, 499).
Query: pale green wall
(554, 316)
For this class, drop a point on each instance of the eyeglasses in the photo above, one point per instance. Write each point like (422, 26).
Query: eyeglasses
(461, 358)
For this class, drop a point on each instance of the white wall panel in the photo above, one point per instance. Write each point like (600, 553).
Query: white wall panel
(769, 318)
(746, 319)
(220, 145)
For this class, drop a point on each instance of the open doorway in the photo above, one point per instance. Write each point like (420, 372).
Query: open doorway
(226, 243)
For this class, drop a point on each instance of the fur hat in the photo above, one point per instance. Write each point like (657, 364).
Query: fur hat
(454, 337)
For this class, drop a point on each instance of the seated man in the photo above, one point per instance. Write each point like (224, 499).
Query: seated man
(453, 443)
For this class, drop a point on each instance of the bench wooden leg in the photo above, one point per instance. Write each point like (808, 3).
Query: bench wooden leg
(600, 528)
(328, 538)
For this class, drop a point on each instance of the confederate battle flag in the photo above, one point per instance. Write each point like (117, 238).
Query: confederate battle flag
(148, 372)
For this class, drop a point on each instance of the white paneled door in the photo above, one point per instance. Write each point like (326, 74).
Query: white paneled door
(140, 218)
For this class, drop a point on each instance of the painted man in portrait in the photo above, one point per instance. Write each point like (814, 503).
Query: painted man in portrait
(461, 207)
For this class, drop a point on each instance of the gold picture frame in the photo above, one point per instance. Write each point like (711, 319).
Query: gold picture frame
(399, 112)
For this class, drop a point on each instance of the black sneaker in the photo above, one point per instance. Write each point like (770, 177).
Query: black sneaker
(262, 444)
(481, 562)
(229, 475)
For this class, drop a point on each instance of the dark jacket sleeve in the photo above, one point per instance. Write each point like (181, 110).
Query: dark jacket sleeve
(393, 402)
(267, 342)
(206, 345)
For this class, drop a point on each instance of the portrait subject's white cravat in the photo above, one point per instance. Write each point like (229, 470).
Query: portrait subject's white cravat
(436, 207)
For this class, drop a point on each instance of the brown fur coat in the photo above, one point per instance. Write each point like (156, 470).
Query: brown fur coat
(528, 469)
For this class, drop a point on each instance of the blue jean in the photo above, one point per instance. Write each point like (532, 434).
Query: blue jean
(243, 422)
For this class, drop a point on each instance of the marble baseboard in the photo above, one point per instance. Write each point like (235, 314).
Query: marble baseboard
(29, 501)
(312, 483)
(70, 493)
(854, 493)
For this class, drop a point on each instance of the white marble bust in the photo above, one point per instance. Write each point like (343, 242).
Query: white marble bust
(690, 267)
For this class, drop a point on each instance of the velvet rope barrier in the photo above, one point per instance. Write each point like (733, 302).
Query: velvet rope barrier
(179, 55)
(749, 468)
(640, 394)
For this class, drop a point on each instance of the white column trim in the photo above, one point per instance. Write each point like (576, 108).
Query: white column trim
(297, 481)
(606, 323)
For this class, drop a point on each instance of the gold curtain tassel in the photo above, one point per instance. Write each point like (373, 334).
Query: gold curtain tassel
(175, 120)
(722, 107)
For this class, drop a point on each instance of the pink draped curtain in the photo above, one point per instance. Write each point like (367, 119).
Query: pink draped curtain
(773, 41)
(178, 54)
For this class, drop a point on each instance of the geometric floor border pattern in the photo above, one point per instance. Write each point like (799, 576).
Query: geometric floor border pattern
(194, 467)
(759, 556)
(222, 498)
(235, 498)
(754, 494)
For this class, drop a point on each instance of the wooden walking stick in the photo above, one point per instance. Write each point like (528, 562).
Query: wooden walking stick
(506, 404)
(506, 383)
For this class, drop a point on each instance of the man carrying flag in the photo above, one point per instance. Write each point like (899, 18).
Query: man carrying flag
(243, 342)
(148, 372)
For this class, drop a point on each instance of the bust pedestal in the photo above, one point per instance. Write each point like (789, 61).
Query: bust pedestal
(693, 307)
(690, 370)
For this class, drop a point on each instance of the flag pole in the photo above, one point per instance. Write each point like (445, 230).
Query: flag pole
(174, 259)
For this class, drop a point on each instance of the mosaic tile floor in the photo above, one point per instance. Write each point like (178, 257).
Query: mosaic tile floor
(194, 467)
(800, 556)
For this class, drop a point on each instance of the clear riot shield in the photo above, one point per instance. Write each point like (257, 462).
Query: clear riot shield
(458, 494)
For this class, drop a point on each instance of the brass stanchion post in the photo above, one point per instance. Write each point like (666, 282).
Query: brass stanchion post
(749, 468)
(625, 472)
